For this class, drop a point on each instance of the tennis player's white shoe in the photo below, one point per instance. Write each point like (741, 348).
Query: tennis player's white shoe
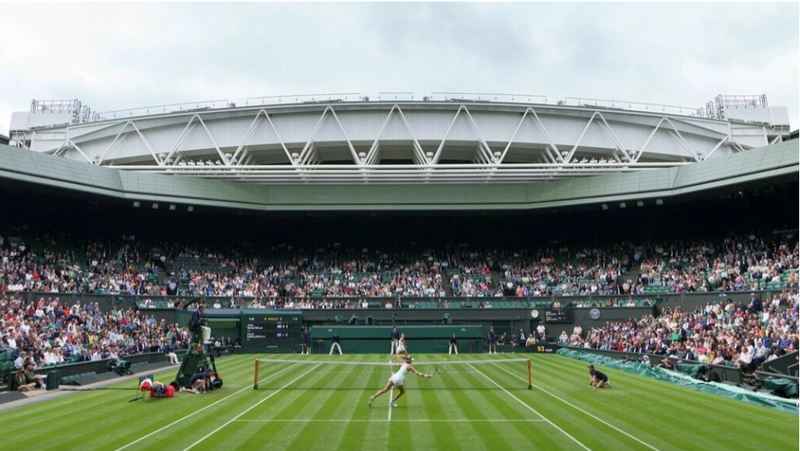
(371, 398)
(391, 404)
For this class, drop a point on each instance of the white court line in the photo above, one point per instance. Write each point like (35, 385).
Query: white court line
(250, 408)
(391, 392)
(391, 395)
(532, 409)
(408, 420)
(583, 411)
(198, 411)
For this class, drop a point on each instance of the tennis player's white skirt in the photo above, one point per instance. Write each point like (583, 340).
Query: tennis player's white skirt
(401, 348)
(397, 381)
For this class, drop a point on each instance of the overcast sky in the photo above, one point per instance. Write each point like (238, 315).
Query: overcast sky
(117, 56)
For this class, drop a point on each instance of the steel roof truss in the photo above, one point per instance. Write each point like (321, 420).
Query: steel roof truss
(80, 151)
(187, 130)
(146, 143)
(580, 137)
(114, 143)
(437, 156)
(213, 141)
(610, 132)
(677, 135)
(373, 155)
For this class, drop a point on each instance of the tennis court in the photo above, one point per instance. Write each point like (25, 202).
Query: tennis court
(482, 402)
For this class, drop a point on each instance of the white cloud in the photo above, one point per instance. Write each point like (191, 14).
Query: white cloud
(117, 56)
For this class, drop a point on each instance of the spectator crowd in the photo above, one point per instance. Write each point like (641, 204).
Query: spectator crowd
(50, 331)
(743, 335)
(129, 267)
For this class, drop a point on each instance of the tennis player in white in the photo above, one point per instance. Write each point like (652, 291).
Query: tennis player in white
(397, 380)
(402, 349)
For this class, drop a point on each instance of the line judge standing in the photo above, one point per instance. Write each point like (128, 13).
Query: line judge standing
(394, 336)
(305, 342)
(453, 345)
(335, 343)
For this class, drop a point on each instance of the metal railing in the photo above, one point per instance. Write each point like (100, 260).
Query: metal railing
(305, 98)
(83, 114)
(167, 108)
(630, 105)
(395, 95)
(487, 97)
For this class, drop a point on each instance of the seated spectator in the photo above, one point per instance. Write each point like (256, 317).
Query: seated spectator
(502, 340)
(666, 364)
(530, 341)
(522, 337)
(169, 351)
(26, 380)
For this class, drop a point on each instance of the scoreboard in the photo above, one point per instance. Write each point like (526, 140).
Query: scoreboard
(563, 315)
(270, 330)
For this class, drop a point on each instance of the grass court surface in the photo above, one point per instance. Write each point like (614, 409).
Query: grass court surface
(474, 406)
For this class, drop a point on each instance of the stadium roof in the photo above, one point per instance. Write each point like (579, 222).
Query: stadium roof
(758, 166)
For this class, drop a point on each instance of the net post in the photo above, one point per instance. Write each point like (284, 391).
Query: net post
(530, 380)
(255, 378)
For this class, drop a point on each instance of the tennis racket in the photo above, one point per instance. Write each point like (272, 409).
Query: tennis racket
(441, 369)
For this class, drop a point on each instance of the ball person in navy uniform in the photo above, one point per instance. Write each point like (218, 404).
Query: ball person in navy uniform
(305, 341)
(492, 341)
(598, 379)
(394, 336)
(335, 343)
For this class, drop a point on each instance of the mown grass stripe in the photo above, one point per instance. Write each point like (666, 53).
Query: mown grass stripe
(354, 425)
(491, 402)
(330, 401)
(243, 413)
(431, 416)
(438, 404)
(196, 412)
(559, 398)
(570, 437)
(649, 392)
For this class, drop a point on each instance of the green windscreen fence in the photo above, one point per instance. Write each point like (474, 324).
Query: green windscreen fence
(376, 339)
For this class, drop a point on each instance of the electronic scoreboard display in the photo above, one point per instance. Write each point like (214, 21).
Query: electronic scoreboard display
(558, 316)
(271, 330)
